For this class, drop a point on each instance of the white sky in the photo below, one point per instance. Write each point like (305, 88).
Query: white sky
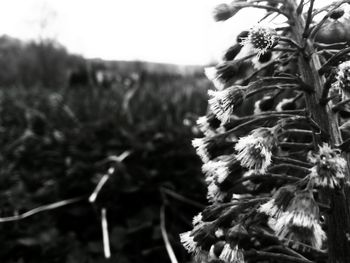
(172, 31)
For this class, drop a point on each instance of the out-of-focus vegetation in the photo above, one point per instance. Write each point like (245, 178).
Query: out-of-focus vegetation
(56, 142)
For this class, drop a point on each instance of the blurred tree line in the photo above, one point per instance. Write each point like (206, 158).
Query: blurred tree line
(45, 62)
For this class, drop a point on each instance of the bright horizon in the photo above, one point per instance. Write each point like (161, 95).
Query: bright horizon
(166, 31)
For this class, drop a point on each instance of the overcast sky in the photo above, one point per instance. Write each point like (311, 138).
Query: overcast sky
(172, 31)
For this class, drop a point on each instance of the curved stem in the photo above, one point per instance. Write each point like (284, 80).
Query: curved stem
(308, 19)
(339, 105)
(333, 60)
(266, 7)
(267, 176)
(291, 166)
(291, 42)
(291, 161)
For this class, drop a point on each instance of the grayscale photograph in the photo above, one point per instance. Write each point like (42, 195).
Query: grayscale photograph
(163, 131)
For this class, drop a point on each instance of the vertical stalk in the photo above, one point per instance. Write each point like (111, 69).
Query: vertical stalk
(338, 219)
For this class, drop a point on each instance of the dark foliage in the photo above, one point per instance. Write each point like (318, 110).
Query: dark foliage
(55, 146)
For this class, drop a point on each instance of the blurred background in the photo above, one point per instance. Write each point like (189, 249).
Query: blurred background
(102, 97)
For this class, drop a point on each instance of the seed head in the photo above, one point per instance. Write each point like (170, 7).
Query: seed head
(261, 39)
(329, 167)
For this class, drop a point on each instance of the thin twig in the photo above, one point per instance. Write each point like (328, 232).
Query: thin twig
(266, 7)
(41, 209)
(105, 235)
(98, 188)
(291, 166)
(267, 176)
(329, 46)
(295, 132)
(168, 246)
(263, 117)
(291, 161)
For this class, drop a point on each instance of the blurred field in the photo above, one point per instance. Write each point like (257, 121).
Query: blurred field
(56, 144)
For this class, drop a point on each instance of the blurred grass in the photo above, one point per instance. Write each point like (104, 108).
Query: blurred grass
(54, 146)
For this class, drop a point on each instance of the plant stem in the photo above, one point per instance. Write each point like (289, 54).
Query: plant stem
(338, 219)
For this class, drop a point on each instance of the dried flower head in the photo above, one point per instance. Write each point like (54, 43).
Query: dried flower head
(261, 39)
(200, 238)
(329, 167)
(197, 220)
(222, 74)
(224, 102)
(188, 242)
(336, 93)
(215, 194)
(254, 150)
(279, 202)
(232, 255)
(299, 224)
(343, 76)
(207, 148)
(220, 168)
(208, 124)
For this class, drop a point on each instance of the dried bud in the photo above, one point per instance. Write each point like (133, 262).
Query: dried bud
(223, 12)
(232, 52)
(220, 168)
(266, 57)
(208, 124)
(207, 148)
(224, 102)
(222, 74)
(289, 103)
(338, 13)
(264, 104)
(241, 36)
